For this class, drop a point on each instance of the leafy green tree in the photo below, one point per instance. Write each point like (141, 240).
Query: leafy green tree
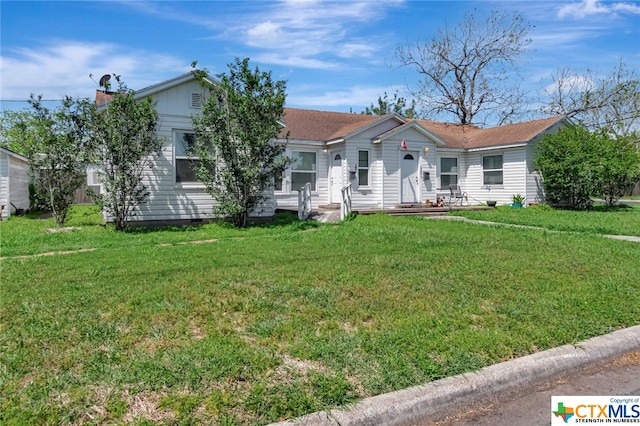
(13, 130)
(618, 168)
(55, 144)
(566, 160)
(125, 144)
(388, 106)
(577, 165)
(235, 134)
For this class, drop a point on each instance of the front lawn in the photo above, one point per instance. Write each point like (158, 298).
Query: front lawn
(264, 324)
(84, 230)
(620, 220)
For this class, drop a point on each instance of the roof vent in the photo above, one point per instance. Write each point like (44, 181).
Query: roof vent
(196, 100)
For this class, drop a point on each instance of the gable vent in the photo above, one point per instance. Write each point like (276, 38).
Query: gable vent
(196, 100)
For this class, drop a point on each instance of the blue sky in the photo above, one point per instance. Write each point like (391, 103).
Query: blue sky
(336, 56)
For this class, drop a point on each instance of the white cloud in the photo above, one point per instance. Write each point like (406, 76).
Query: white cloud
(357, 97)
(298, 32)
(63, 67)
(595, 7)
(266, 33)
(567, 36)
(356, 49)
(295, 61)
(626, 8)
(570, 84)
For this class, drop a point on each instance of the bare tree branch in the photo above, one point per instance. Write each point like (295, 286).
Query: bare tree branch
(611, 101)
(469, 71)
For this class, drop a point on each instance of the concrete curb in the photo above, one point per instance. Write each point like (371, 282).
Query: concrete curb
(417, 404)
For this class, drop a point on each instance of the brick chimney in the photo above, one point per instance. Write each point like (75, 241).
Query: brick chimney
(103, 96)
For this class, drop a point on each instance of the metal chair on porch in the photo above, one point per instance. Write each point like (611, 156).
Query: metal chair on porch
(457, 196)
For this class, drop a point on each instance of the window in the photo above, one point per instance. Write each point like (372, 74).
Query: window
(492, 169)
(186, 164)
(363, 168)
(278, 179)
(303, 169)
(448, 172)
(277, 182)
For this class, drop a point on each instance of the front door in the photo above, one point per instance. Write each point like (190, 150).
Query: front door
(335, 178)
(409, 173)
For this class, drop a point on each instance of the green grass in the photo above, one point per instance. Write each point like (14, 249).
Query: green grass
(623, 220)
(29, 235)
(274, 322)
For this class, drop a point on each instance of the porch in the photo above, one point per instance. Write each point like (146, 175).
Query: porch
(420, 209)
(335, 212)
(331, 212)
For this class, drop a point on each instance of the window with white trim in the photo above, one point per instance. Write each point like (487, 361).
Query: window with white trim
(186, 164)
(492, 171)
(278, 180)
(448, 172)
(363, 168)
(304, 169)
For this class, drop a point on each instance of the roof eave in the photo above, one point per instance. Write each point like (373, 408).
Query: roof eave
(411, 125)
(14, 154)
(372, 124)
(505, 146)
(168, 84)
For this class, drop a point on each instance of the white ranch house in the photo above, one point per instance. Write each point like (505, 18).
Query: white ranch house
(387, 160)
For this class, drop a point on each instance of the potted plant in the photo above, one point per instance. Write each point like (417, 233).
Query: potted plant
(517, 200)
(489, 202)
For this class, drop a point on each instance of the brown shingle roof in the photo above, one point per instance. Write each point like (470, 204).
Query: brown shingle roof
(468, 137)
(455, 135)
(512, 133)
(305, 124)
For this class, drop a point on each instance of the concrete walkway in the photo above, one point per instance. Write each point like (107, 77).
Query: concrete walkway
(484, 222)
(435, 400)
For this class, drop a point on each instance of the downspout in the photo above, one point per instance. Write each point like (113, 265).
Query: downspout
(526, 174)
(382, 171)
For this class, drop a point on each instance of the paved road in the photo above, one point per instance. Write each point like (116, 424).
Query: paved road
(533, 406)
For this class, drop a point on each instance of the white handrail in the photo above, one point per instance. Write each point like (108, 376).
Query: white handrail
(304, 201)
(345, 206)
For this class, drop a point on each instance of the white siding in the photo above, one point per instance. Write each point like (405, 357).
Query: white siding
(14, 183)
(462, 171)
(19, 183)
(288, 198)
(364, 197)
(4, 184)
(171, 201)
(535, 190)
(514, 176)
(391, 154)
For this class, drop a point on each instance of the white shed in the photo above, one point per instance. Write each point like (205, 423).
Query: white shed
(14, 182)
